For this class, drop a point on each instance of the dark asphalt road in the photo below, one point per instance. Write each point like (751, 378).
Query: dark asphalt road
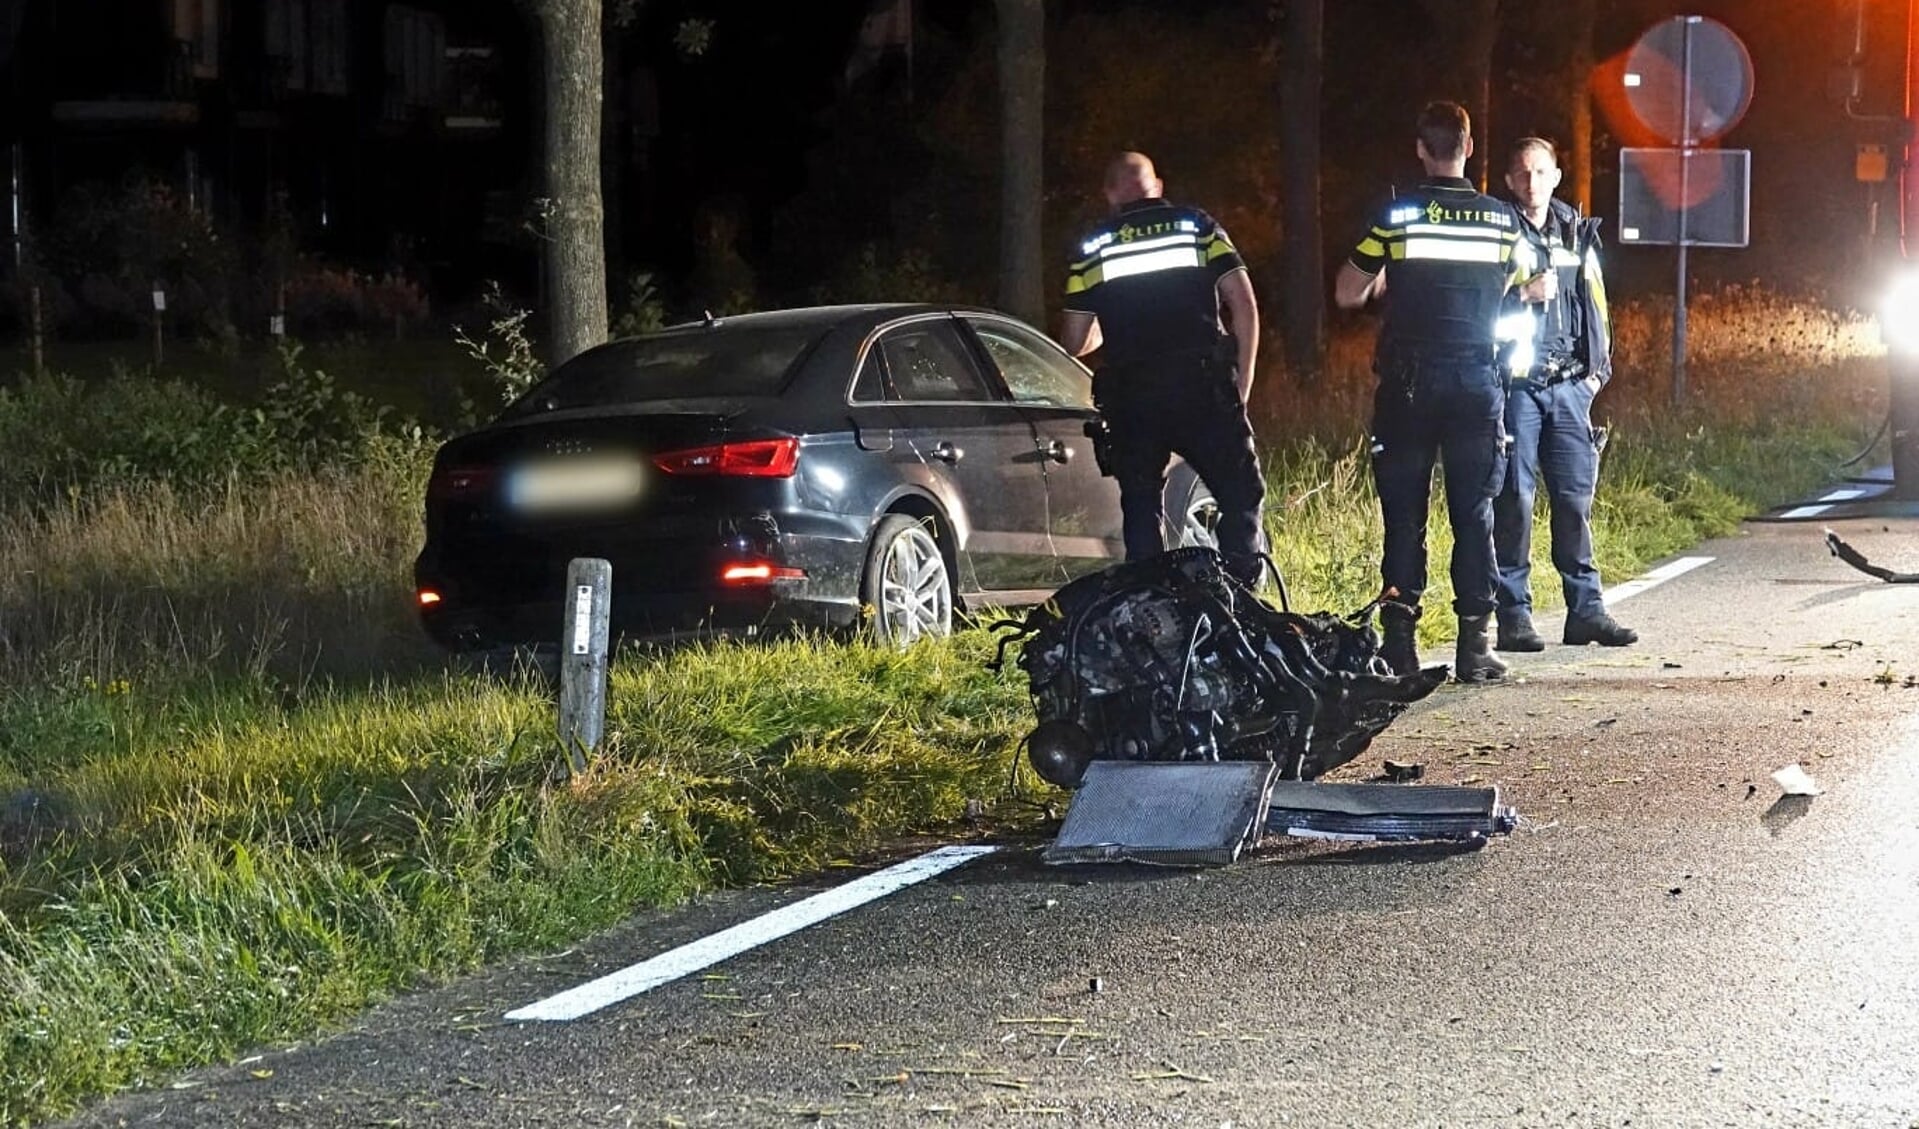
(1666, 943)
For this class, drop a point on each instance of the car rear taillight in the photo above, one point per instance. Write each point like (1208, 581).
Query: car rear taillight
(460, 481)
(758, 572)
(428, 597)
(755, 458)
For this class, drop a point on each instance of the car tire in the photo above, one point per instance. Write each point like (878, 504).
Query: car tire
(907, 586)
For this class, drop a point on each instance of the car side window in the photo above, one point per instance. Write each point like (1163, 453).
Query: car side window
(870, 386)
(928, 362)
(1036, 371)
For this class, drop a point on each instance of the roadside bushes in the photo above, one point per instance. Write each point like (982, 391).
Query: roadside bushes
(107, 246)
(63, 435)
(152, 526)
(325, 301)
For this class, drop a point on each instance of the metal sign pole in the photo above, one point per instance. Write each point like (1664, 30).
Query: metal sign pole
(583, 658)
(1902, 408)
(1685, 206)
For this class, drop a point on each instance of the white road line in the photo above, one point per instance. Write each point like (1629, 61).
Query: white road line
(1798, 512)
(708, 951)
(1655, 578)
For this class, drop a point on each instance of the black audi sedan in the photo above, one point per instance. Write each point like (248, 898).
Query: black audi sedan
(886, 466)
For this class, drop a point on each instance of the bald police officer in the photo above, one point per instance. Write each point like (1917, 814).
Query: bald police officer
(1149, 285)
(1447, 253)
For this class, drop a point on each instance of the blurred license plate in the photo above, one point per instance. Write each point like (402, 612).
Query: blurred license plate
(574, 484)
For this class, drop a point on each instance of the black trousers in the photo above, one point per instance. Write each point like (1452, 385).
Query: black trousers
(1187, 407)
(1450, 410)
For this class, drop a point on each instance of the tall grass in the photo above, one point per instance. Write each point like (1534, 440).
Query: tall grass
(239, 800)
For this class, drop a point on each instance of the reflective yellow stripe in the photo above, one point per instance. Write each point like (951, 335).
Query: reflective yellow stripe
(1219, 245)
(1080, 281)
(1372, 248)
(1596, 283)
(1525, 258)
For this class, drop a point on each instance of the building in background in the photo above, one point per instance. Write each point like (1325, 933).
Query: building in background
(384, 136)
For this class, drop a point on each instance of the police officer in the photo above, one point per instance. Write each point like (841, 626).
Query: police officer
(1447, 253)
(1149, 285)
(1563, 360)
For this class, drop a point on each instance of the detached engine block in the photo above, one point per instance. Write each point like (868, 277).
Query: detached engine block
(1169, 659)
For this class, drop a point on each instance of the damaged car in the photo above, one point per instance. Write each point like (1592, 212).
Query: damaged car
(829, 467)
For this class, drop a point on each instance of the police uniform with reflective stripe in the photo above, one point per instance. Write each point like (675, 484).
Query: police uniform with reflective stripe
(1166, 386)
(1549, 414)
(1448, 254)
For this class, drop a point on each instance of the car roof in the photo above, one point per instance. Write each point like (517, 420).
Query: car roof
(823, 317)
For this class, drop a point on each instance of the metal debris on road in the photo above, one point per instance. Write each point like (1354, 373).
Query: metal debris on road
(1795, 781)
(1856, 559)
(1171, 1072)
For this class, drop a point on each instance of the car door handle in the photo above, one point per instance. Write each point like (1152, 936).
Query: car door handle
(947, 453)
(1059, 452)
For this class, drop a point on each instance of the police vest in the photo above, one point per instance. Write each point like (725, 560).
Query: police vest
(1577, 322)
(1149, 275)
(1448, 255)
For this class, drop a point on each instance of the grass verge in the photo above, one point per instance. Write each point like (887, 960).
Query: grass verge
(192, 871)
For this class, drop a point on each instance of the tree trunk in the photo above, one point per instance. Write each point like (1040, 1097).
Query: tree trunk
(1022, 94)
(1581, 18)
(575, 242)
(1302, 306)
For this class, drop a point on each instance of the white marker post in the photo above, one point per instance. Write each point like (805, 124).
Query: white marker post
(159, 324)
(583, 659)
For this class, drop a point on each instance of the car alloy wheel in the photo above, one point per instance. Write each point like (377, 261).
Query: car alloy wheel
(908, 586)
(1199, 519)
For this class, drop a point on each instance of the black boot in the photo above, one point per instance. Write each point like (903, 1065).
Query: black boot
(1474, 661)
(1516, 631)
(1601, 629)
(1400, 643)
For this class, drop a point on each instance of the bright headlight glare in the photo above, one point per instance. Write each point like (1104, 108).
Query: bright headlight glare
(1899, 315)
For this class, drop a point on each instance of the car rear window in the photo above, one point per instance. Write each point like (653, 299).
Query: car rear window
(718, 362)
